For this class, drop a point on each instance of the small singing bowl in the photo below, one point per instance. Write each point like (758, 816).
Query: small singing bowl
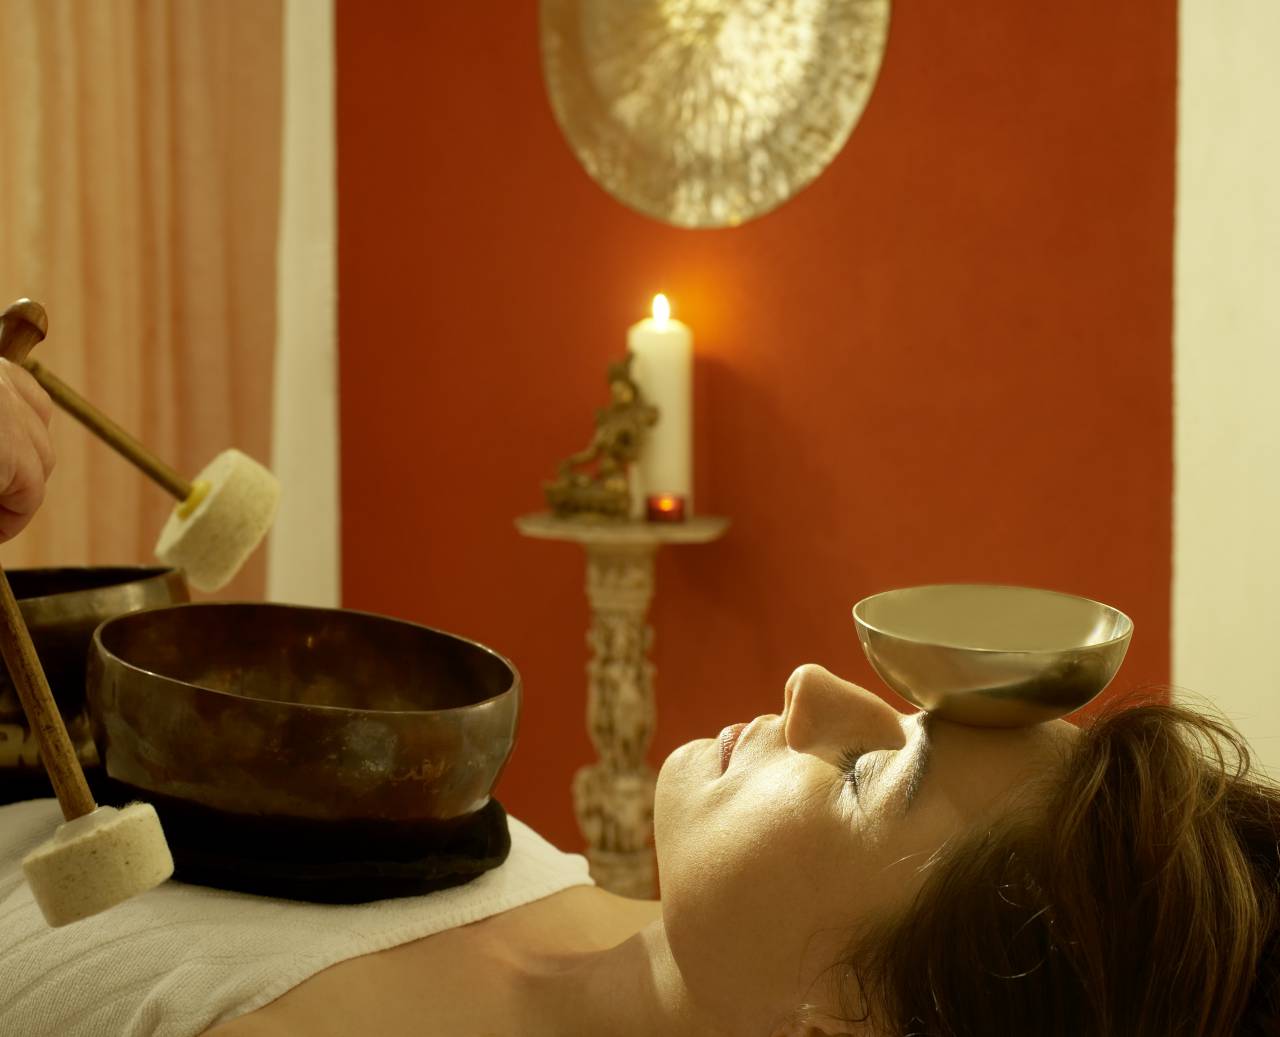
(301, 714)
(992, 656)
(62, 607)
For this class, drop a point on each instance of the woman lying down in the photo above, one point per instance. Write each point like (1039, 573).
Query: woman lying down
(837, 869)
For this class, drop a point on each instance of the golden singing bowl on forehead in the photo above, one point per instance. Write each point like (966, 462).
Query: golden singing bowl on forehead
(992, 656)
(707, 113)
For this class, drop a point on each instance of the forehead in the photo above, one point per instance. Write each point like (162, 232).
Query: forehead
(973, 768)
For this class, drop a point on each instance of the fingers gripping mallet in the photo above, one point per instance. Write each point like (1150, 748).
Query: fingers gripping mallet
(220, 517)
(100, 855)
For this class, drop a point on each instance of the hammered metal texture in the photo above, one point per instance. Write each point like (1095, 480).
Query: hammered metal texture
(708, 113)
(297, 713)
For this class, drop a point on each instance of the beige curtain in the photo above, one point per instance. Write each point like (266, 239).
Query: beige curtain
(139, 201)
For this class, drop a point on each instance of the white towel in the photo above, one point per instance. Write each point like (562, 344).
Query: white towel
(177, 960)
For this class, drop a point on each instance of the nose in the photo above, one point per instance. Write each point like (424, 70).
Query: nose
(821, 710)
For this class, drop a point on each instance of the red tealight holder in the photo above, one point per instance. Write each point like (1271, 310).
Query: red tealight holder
(664, 507)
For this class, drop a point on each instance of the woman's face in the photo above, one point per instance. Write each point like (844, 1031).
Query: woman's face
(778, 838)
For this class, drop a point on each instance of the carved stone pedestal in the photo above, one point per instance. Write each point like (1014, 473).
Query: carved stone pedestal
(613, 797)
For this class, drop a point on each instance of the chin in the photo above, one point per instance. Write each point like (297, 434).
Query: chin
(683, 774)
(693, 763)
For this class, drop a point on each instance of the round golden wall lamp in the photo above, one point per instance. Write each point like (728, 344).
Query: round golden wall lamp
(709, 113)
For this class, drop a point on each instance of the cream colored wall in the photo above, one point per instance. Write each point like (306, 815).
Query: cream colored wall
(1226, 599)
(303, 565)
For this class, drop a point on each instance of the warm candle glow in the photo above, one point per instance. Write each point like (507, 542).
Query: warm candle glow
(661, 348)
(665, 507)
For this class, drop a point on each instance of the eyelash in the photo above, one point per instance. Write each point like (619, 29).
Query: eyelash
(849, 765)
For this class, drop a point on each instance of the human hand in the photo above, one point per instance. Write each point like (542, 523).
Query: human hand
(26, 452)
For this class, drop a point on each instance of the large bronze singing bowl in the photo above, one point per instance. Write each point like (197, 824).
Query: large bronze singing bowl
(301, 713)
(62, 607)
(992, 656)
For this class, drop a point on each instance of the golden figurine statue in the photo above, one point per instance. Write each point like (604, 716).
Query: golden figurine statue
(593, 483)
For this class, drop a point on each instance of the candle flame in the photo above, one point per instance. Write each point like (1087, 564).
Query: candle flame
(661, 308)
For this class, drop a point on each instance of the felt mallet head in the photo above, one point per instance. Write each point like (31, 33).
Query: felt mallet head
(96, 861)
(230, 510)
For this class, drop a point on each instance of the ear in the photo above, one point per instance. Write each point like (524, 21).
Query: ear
(817, 1024)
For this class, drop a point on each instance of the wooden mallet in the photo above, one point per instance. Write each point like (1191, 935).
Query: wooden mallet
(221, 516)
(99, 856)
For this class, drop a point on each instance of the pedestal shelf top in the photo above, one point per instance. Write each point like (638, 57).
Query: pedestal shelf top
(697, 530)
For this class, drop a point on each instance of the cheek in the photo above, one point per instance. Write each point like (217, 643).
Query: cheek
(748, 875)
(709, 832)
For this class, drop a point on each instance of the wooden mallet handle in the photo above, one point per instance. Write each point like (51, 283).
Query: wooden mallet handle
(23, 325)
(17, 336)
(56, 751)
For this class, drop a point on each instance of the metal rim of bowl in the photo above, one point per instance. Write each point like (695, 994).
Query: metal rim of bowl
(861, 621)
(129, 575)
(514, 687)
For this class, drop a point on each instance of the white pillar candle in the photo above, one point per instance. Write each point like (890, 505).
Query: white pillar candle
(662, 367)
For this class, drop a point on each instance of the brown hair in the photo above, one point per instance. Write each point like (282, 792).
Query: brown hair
(1142, 902)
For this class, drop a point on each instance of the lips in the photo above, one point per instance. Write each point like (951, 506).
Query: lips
(728, 739)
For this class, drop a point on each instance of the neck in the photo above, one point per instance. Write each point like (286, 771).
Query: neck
(633, 989)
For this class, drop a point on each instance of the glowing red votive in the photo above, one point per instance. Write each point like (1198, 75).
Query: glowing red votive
(664, 507)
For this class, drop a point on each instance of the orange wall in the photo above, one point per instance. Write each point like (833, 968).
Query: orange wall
(948, 359)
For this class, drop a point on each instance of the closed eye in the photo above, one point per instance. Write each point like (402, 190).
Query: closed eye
(849, 765)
